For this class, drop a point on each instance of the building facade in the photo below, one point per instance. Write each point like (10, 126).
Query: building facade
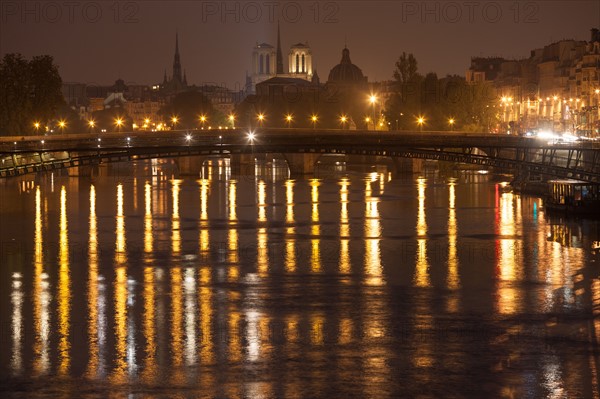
(557, 88)
(267, 63)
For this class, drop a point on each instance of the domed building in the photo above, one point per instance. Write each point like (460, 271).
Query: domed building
(346, 73)
(350, 87)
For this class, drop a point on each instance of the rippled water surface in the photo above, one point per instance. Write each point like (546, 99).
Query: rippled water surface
(358, 285)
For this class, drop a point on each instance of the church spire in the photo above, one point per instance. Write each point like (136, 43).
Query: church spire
(315, 78)
(176, 61)
(165, 81)
(279, 54)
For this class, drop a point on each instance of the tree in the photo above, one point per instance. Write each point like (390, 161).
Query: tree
(108, 117)
(327, 103)
(405, 103)
(46, 85)
(187, 107)
(30, 91)
(15, 102)
(469, 106)
(406, 69)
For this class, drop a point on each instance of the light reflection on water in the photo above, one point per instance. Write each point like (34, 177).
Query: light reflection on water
(357, 286)
(41, 295)
(421, 271)
(94, 362)
(315, 244)
(64, 289)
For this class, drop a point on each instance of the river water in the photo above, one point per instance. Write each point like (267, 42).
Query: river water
(140, 283)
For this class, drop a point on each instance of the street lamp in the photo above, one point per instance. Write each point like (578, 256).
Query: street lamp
(367, 120)
(202, 120)
(373, 100)
(119, 123)
(343, 120)
(421, 122)
(251, 137)
(62, 124)
(314, 118)
(36, 125)
(288, 119)
(261, 118)
(451, 122)
(232, 120)
(92, 124)
(174, 120)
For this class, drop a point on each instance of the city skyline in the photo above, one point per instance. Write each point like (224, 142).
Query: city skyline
(143, 37)
(311, 198)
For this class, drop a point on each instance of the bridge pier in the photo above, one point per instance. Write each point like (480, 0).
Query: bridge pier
(302, 164)
(407, 165)
(83, 171)
(190, 165)
(242, 164)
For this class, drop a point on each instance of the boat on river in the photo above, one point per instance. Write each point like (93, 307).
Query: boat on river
(573, 197)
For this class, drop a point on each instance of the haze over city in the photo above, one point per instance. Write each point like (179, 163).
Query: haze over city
(216, 38)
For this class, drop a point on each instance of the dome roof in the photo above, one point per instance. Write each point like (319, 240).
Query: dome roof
(346, 71)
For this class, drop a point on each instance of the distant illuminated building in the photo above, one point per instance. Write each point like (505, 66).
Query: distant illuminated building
(178, 80)
(267, 63)
(351, 86)
(346, 73)
(300, 61)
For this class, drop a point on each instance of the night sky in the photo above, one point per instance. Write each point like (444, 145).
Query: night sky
(97, 42)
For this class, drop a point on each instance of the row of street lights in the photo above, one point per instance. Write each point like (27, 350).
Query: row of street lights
(260, 117)
(422, 121)
(203, 119)
(62, 124)
(343, 119)
(289, 118)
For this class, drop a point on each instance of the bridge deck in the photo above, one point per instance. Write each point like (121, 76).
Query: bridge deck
(19, 155)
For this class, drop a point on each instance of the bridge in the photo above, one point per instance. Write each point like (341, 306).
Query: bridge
(524, 155)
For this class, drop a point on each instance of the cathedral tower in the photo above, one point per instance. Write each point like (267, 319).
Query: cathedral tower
(177, 76)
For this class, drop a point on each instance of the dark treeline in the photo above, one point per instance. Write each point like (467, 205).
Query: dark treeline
(444, 103)
(30, 94)
(31, 102)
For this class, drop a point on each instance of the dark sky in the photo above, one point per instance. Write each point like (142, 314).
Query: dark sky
(99, 41)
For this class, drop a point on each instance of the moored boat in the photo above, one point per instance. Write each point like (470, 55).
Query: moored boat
(573, 197)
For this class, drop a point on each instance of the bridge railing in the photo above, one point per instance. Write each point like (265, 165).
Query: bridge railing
(56, 150)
